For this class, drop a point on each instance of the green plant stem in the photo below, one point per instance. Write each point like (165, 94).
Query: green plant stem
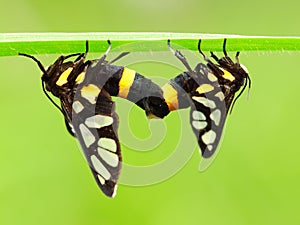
(63, 43)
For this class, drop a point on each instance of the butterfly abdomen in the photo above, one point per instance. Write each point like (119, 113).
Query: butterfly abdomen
(128, 84)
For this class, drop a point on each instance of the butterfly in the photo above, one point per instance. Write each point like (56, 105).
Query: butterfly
(84, 88)
(209, 90)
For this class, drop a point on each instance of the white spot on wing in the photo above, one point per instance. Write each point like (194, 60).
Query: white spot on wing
(101, 179)
(77, 107)
(90, 92)
(100, 168)
(220, 95)
(209, 137)
(115, 191)
(197, 115)
(72, 128)
(99, 121)
(212, 77)
(216, 116)
(87, 136)
(204, 101)
(108, 144)
(199, 124)
(110, 158)
(209, 147)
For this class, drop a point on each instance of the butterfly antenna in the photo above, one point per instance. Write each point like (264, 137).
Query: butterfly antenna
(40, 65)
(42, 68)
(51, 100)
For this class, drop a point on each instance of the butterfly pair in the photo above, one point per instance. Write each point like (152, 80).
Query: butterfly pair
(85, 87)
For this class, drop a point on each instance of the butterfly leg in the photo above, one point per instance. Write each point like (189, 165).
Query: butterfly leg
(102, 59)
(180, 57)
(122, 54)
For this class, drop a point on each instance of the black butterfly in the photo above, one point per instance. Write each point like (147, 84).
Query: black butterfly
(209, 90)
(84, 88)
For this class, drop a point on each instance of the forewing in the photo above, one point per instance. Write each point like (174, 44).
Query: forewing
(95, 123)
(207, 118)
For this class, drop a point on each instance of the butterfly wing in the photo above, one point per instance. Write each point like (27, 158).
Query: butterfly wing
(207, 117)
(201, 91)
(96, 123)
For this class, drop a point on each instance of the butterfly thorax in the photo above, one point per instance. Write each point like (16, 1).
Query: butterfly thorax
(234, 74)
(231, 77)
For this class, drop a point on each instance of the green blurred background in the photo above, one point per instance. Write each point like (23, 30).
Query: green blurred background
(255, 178)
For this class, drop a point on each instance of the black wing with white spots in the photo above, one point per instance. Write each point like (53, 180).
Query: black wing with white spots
(200, 91)
(96, 126)
(209, 90)
(207, 117)
(84, 89)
